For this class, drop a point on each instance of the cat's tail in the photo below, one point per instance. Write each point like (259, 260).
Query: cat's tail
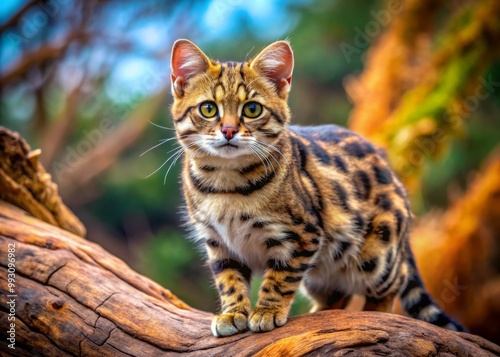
(417, 302)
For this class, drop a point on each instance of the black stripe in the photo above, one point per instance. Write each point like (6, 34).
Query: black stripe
(208, 168)
(423, 301)
(399, 221)
(340, 164)
(293, 279)
(292, 236)
(250, 188)
(245, 217)
(362, 185)
(278, 265)
(250, 168)
(259, 224)
(320, 153)
(271, 242)
(183, 116)
(303, 253)
(413, 283)
(219, 266)
(242, 74)
(276, 116)
(341, 195)
(283, 293)
(393, 268)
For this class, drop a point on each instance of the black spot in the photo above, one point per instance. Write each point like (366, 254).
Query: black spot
(384, 232)
(382, 175)
(354, 149)
(259, 224)
(292, 236)
(239, 298)
(295, 219)
(221, 287)
(340, 164)
(310, 228)
(315, 241)
(271, 242)
(383, 201)
(245, 217)
(212, 242)
(362, 185)
(341, 195)
(230, 291)
(266, 290)
(343, 246)
(369, 265)
(334, 297)
(399, 191)
(399, 221)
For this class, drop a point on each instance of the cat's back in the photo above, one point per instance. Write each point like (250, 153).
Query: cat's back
(333, 145)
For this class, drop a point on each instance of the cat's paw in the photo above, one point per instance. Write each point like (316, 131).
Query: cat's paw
(266, 319)
(229, 324)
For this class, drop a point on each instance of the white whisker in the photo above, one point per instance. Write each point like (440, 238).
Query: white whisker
(159, 126)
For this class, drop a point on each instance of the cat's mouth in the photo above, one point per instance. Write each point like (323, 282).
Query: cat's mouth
(228, 145)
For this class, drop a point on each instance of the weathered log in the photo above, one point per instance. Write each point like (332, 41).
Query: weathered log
(25, 183)
(72, 298)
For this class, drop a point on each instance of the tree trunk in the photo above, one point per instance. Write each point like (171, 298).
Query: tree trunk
(73, 298)
(66, 296)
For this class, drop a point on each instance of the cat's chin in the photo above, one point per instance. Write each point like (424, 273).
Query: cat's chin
(229, 151)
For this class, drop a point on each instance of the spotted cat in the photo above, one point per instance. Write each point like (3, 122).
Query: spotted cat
(317, 207)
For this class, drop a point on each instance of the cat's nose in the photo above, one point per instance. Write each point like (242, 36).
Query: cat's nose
(229, 131)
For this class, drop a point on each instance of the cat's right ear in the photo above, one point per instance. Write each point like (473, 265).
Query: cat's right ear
(186, 62)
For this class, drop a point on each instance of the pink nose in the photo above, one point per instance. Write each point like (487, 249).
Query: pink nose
(229, 131)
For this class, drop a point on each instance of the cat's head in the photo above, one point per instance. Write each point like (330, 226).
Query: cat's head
(230, 109)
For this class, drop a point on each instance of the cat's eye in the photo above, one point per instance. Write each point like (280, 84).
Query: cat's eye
(252, 110)
(208, 109)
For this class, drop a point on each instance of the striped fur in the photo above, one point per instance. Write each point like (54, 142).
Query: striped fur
(311, 207)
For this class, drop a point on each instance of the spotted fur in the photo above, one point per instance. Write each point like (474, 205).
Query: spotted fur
(317, 207)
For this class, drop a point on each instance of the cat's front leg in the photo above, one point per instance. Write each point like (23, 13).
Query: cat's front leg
(232, 279)
(281, 280)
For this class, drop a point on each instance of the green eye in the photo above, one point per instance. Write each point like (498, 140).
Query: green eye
(252, 110)
(208, 109)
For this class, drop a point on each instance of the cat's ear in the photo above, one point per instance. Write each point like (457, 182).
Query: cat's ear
(186, 62)
(276, 63)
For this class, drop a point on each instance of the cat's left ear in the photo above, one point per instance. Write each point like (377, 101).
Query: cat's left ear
(186, 62)
(276, 63)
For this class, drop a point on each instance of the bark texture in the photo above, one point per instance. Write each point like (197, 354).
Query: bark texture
(74, 298)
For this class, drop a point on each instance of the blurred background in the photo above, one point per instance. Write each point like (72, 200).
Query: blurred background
(88, 83)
